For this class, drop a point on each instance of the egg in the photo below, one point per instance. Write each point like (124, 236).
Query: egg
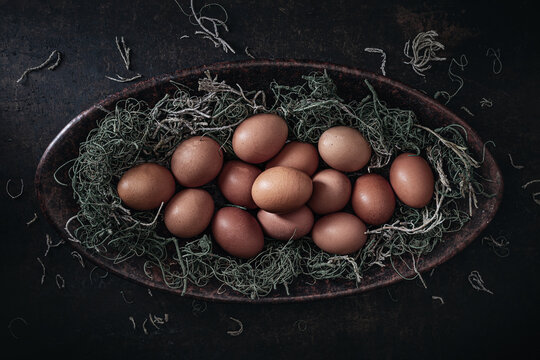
(412, 180)
(339, 233)
(259, 138)
(235, 182)
(331, 191)
(196, 161)
(189, 213)
(298, 155)
(373, 199)
(237, 232)
(281, 189)
(286, 226)
(344, 148)
(146, 186)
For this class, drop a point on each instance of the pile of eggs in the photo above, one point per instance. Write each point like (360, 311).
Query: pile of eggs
(289, 199)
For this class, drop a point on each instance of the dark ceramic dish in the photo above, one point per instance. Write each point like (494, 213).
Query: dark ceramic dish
(58, 205)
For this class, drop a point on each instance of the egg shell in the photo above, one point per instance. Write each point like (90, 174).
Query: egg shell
(196, 161)
(259, 138)
(298, 155)
(189, 213)
(344, 148)
(235, 182)
(146, 186)
(331, 191)
(373, 199)
(281, 189)
(339, 233)
(237, 232)
(412, 180)
(286, 226)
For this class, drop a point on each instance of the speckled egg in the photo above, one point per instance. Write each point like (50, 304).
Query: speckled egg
(196, 161)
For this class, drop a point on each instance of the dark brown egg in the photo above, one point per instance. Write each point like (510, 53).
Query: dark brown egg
(412, 180)
(196, 161)
(281, 189)
(298, 155)
(331, 191)
(189, 213)
(373, 199)
(286, 226)
(344, 148)
(146, 186)
(339, 233)
(237, 232)
(259, 138)
(235, 182)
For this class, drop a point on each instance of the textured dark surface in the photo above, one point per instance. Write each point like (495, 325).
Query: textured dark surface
(90, 319)
(58, 206)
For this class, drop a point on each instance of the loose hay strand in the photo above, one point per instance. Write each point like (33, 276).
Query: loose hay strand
(477, 282)
(209, 26)
(497, 63)
(124, 50)
(239, 330)
(122, 79)
(10, 325)
(422, 51)
(79, 258)
(136, 132)
(43, 269)
(462, 63)
(519, 167)
(486, 103)
(439, 299)
(248, 53)
(43, 65)
(499, 245)
(383, 55)
(49, 243)
(16, 195)
(31, 221)
(60, 282)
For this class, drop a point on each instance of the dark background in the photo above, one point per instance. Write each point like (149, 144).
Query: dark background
(90, 319)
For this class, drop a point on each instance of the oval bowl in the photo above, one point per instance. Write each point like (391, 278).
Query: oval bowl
(58, 205)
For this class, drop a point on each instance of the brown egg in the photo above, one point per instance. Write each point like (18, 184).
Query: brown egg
(286, 226)
(259, 138)
(373, 199)
(298, 155)
(339, 233)
(235, 182)
(331, 191)
(189, 212)
(412, 180)
(146, 186)
(196, 161)
(237, 232)
(281, 189)
(344, 148)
